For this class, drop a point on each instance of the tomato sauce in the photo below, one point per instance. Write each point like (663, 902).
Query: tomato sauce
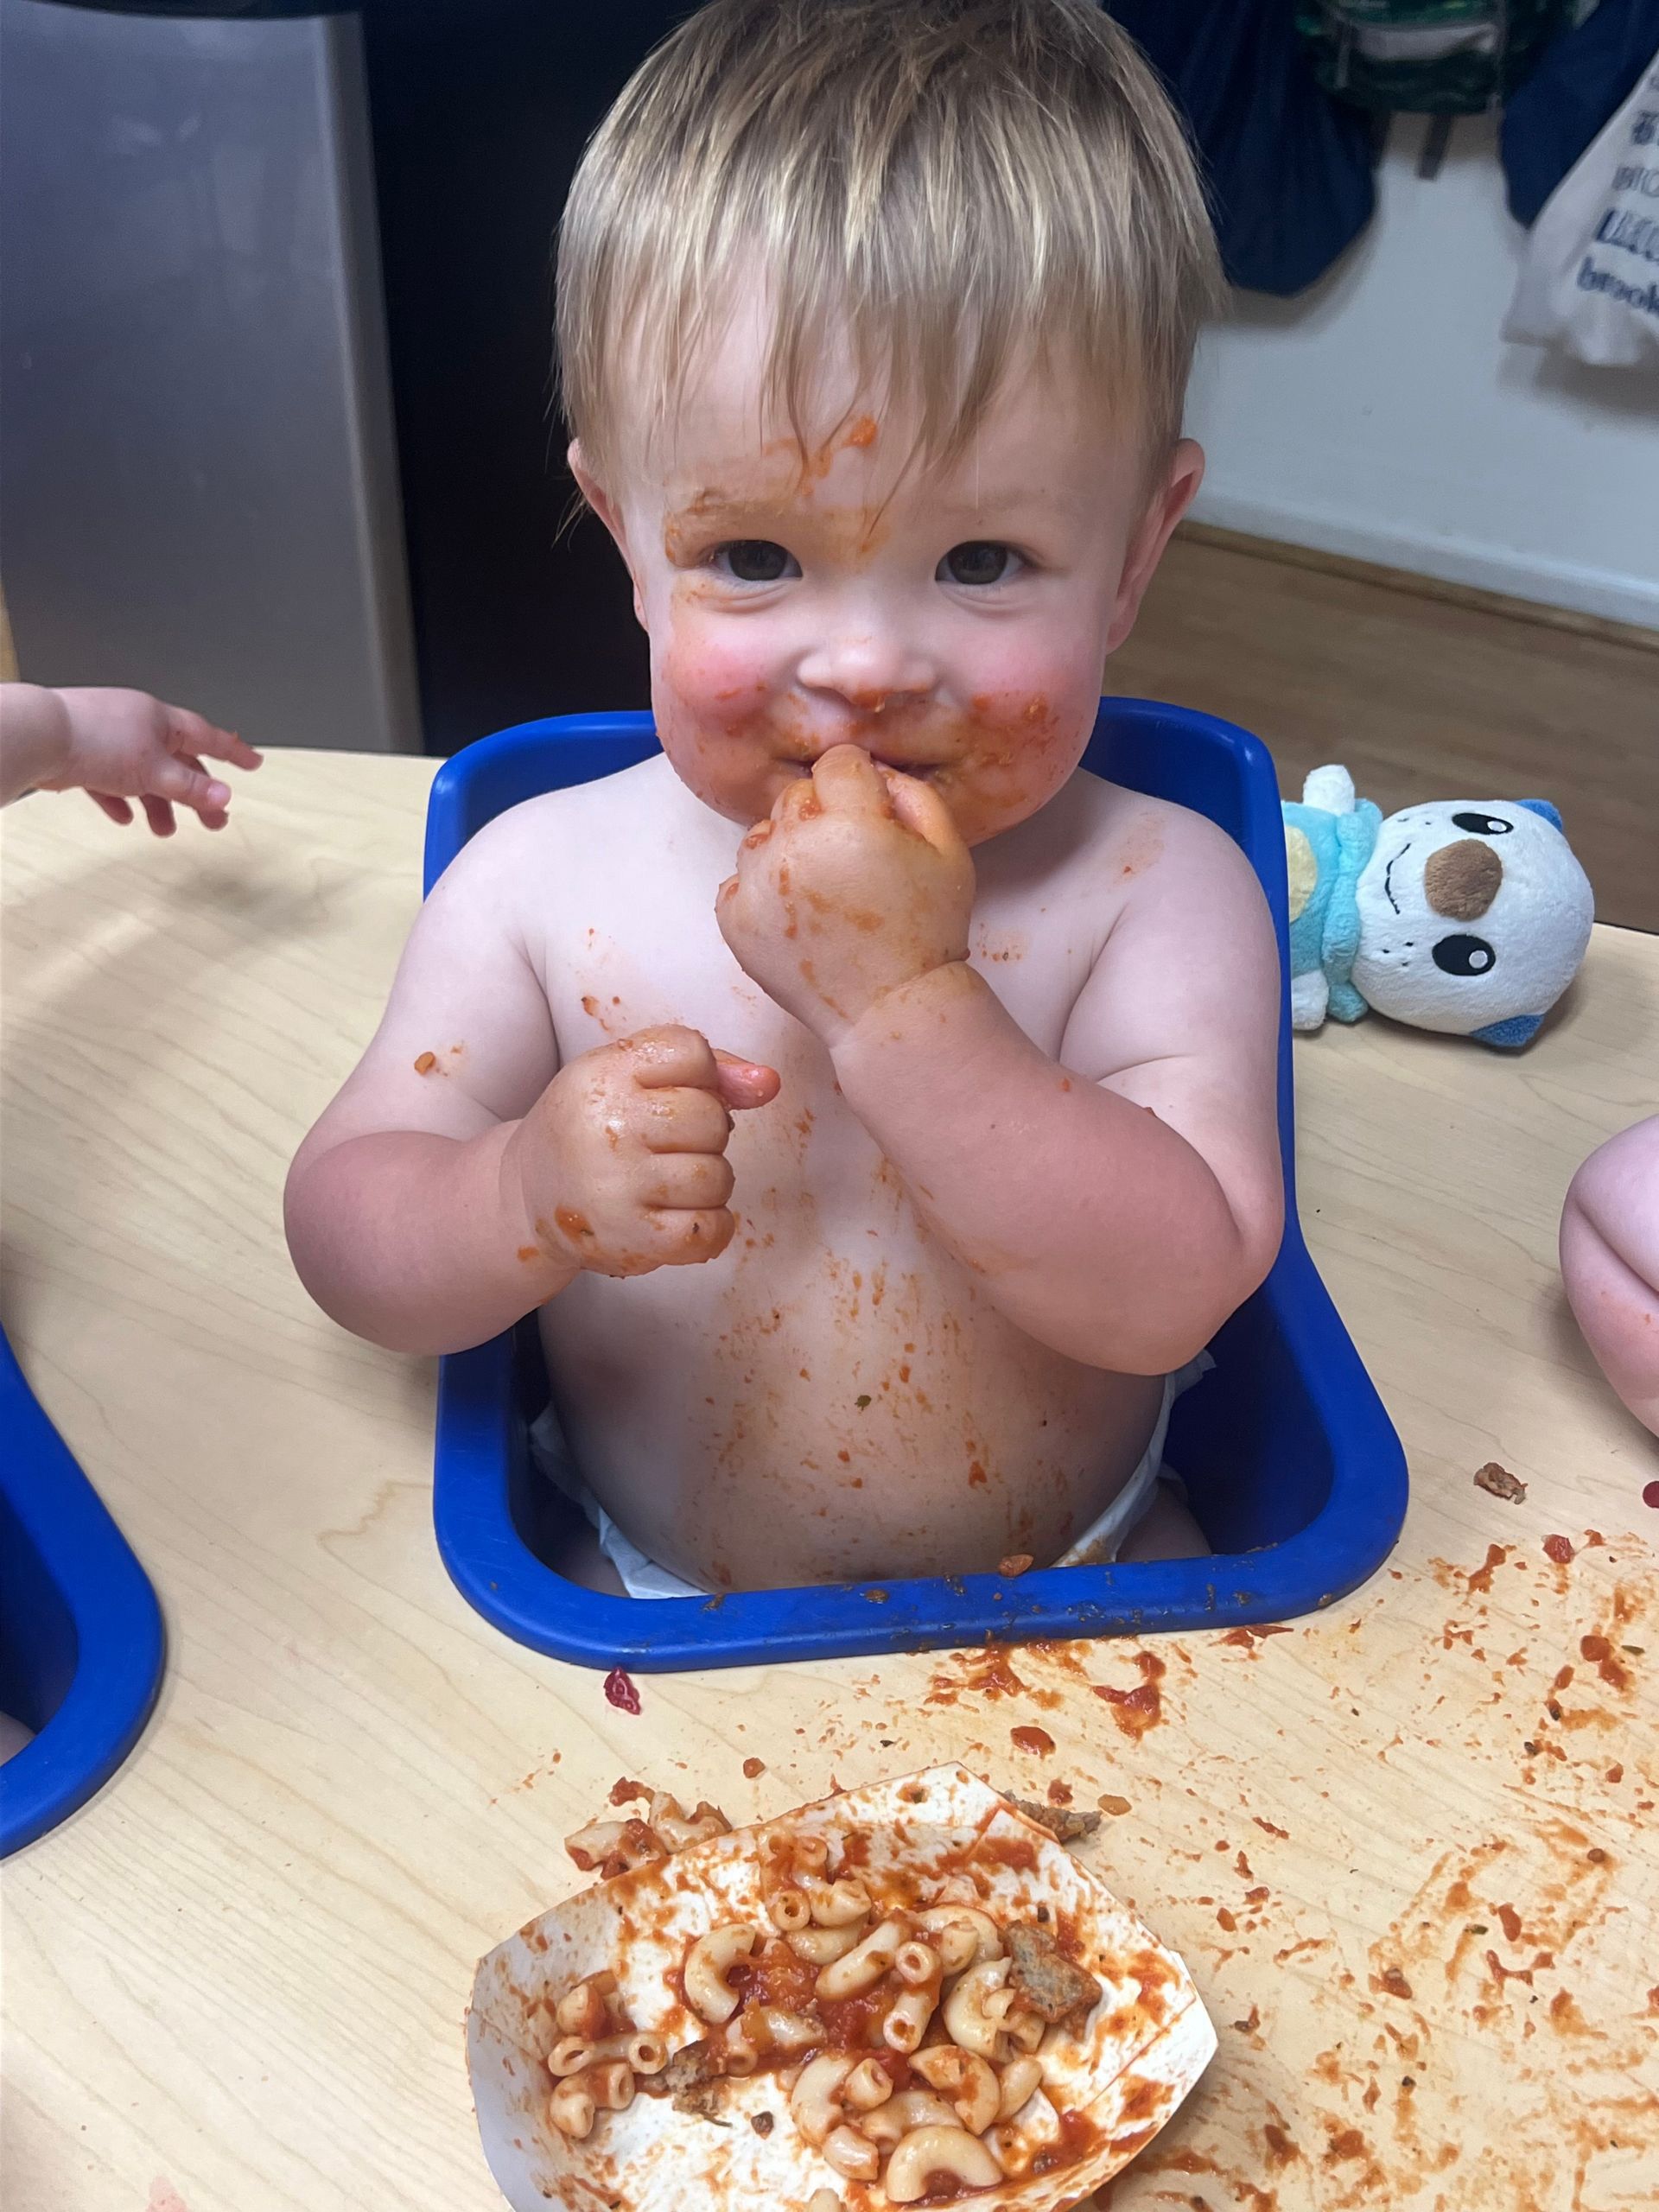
(776, 1977)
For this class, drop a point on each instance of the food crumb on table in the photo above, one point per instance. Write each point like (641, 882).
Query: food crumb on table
(1498, 1482)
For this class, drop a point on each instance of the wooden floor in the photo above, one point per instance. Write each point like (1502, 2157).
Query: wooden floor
(1420, 698)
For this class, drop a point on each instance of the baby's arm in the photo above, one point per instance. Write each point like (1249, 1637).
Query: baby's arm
(1120, 1203)
(1610, 1262)
(460, 1177)
(1117, 1204)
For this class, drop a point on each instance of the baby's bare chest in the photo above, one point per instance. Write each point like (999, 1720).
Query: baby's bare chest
(631, 946)
(835, 1314)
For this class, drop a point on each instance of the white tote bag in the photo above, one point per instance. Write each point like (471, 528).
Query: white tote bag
(1589, 279)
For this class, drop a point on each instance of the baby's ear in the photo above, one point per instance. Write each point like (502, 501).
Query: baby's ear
(609, 513)
(593, 491)
(1167, 501)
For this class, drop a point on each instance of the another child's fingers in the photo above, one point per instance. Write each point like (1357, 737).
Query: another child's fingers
(184, 780)
(745, 1083)
(199, 735)
(159, 815)
(118, 810)
(211, 817)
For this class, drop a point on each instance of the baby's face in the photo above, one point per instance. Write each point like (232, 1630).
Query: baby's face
(953, 624)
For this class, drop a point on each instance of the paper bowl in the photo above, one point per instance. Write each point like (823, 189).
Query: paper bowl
(1140, 2050)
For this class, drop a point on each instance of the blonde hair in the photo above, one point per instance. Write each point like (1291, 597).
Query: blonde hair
(949, 183)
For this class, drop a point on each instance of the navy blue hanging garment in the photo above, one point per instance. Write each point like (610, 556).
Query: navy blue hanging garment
(1288, 169)
(1581, 80)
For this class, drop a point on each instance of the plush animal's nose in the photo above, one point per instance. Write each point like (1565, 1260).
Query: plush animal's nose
(1461, 881)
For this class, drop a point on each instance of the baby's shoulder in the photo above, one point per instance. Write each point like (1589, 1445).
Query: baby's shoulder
(559, 829)
(1112, 847)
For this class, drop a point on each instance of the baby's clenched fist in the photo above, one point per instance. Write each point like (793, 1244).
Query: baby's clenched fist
(858, 884)
(620, 1165)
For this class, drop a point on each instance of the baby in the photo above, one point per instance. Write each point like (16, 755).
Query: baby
(117, 746)
(878, 1110)
(1610, 1262)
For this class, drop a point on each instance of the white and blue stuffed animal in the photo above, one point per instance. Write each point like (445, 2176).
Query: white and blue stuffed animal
(1466, 916)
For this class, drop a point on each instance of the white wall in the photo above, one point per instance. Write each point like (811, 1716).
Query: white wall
(1380, 414)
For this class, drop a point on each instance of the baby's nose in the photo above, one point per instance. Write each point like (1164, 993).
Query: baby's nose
(869, 670)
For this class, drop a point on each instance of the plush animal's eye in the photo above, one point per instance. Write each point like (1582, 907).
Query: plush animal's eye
(1482, 825)
(1464, 955)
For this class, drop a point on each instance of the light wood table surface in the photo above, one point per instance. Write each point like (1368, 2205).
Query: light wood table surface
(1414, 1865)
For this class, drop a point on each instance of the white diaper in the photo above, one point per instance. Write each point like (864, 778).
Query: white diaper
(1101, 1542)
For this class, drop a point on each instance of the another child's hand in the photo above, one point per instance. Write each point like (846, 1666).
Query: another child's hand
(622, 1162)
(121, 745)
(857, 884)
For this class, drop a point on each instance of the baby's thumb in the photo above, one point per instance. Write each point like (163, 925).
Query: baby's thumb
(744, 1084)
(175, 779)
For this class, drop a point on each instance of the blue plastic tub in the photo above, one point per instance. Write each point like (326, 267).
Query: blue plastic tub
(1293, 1467)
(80, 1633)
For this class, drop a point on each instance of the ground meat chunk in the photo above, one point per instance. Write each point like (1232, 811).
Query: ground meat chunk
(1062, 1823)
(1500, 1482)
(703, 2102)
(691, 2078)
(1051, 1986)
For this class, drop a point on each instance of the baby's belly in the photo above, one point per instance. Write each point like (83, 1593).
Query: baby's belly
(834, 1399)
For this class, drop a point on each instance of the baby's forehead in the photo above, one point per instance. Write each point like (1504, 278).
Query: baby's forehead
(719, 446)
(721, 413)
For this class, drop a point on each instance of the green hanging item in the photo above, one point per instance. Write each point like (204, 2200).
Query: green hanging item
(1428, 57)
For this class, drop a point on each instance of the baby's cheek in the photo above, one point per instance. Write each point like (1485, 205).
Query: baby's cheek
(709, 674)
(1019, 746)
(706, 691)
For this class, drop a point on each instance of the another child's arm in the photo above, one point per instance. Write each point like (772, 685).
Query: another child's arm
(117, 746)
(1610, 1264)
(462, 1177)
(1116, 1205)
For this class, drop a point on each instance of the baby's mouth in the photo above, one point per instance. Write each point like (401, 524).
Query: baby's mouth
(920, 770)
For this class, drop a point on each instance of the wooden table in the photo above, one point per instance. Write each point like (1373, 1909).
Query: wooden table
(1410, 1847)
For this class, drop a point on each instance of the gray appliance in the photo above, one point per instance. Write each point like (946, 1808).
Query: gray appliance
(198, 479)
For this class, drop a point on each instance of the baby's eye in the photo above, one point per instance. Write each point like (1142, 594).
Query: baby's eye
(755, 561)
(980, 560)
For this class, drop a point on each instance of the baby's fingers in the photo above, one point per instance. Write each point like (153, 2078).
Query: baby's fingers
(688, 1182)
(919, 807)
(118, 810)
(686, 1240)
(745, 1083)
(847, 781)
(670, 1055)
(159, 815)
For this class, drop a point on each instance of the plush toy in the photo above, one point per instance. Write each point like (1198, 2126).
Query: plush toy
(1468, 916)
